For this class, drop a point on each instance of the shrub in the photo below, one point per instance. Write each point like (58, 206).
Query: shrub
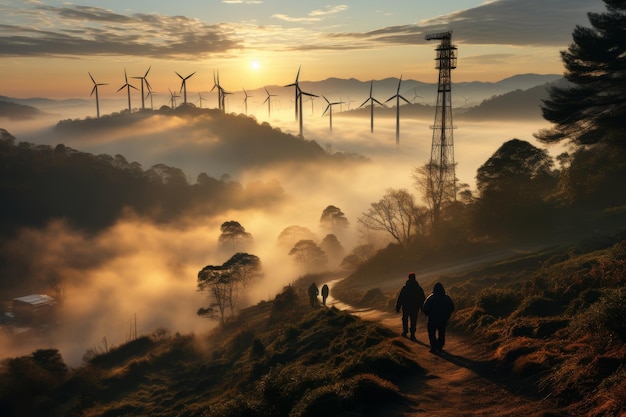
(498, 302)
(605, 320)
(538, 307)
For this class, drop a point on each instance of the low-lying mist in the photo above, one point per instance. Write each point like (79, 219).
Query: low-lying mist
(147, 271)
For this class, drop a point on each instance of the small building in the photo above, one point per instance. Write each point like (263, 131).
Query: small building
(33, 309)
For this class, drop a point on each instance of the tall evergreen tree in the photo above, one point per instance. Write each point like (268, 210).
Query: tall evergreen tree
(592, 109)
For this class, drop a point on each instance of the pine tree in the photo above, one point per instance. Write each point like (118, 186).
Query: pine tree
(592, 109)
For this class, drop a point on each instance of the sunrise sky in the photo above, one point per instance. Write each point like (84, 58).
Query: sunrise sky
(48, 47)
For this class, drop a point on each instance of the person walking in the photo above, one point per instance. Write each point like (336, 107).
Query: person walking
(325, 291)
(410, 300)
(438, 307)
(313, 293)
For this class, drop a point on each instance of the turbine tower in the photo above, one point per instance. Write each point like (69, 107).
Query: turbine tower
(372, 100)
(298, 95)
(442, 176)
(95, 89)
(329, 109)
(297, 91)
(245, 100)
(127, 86)
(183, 85)
(398, 97)
(144, 79)
(268, 100)
(173, 98)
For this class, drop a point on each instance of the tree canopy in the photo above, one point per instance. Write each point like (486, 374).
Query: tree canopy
(593, 108)
(223, 283)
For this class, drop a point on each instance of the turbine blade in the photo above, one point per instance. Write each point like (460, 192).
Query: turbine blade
(405, 99)
(181, 77)
(94, 81)
(148, 71)
(95, 87)
(327, 107)
(326, 99)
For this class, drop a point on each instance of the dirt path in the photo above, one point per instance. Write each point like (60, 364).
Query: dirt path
(462, 381)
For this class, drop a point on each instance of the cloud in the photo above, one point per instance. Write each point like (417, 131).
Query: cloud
(242, 2)
(313, 16)
(83, 30)
(500, 22)
(72, 30)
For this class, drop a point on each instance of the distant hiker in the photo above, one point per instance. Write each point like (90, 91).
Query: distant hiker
(410, 299)
(325, 290)
(438, 307)
(313, 293)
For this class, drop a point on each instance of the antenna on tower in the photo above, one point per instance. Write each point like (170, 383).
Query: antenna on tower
(441, 169)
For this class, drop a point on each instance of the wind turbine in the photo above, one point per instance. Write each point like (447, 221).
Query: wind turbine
(183, 85)
(200, 98)
(173, 98)
(245, 100)
(329, 109)
(312, 99)
(349, 102)
(127, 87)
(416, 96)
(95, 89)
(150, 94)
(298, 91)
(372, 100)
(268, 100)
(221, 93)
(144, 79)
(398, 97)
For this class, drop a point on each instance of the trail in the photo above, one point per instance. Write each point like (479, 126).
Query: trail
(462, 381)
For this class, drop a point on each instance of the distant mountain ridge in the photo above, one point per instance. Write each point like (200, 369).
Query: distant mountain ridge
(353, 91)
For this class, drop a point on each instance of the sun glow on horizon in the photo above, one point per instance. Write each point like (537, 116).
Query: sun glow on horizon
(255, 65)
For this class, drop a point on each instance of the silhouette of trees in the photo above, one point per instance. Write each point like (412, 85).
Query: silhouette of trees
(435, 193)
(293, 234)
(395, 213)
(333, 219)
(224, 282)
(234, 237)
(513, 184)
(92, 192)
(591, 110)
(333, 248)
(308, 254)
(358, 256)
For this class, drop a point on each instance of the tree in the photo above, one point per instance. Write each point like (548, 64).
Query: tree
(395, 213)
(436, 190)
(333, 248)
(234, 237)
(309, 254)
(223, 283)
(333, 219)
(593, 108)
(293, 234)
(359, 255)
(513, 184)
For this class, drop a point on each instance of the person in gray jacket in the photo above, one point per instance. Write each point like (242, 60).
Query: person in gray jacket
(438, 307)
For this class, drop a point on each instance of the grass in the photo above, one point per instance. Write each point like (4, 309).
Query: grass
(555, 319)
(275, 359)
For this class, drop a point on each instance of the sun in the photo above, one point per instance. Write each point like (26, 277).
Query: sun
(255, 65)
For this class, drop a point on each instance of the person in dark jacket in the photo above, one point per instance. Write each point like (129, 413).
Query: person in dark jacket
(410, 299)
(438, 307)
(313, 293)
(325, 291)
